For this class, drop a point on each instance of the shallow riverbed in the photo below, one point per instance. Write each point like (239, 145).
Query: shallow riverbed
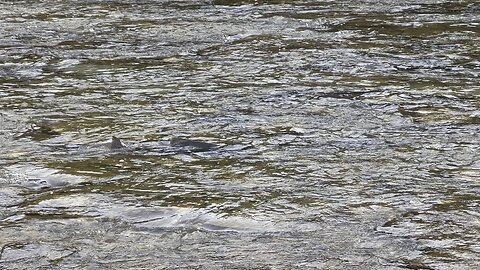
(348, 133)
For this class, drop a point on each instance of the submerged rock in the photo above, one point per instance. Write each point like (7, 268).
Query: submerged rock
(39, 132)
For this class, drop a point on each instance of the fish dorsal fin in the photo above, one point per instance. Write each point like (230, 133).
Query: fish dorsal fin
(116, 143)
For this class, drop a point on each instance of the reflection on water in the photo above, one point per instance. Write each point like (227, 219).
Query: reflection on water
(347, 133)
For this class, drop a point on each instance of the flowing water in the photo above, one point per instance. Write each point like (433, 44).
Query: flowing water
(348, 133)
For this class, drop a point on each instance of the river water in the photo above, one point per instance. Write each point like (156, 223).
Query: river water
(349, 134)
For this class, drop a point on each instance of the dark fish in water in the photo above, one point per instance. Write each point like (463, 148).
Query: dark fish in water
(193, 145)
(185, 144)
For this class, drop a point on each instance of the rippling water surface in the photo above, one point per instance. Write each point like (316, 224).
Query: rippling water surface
(348, 133)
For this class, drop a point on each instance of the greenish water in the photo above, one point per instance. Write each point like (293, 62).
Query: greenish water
(349, 134)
